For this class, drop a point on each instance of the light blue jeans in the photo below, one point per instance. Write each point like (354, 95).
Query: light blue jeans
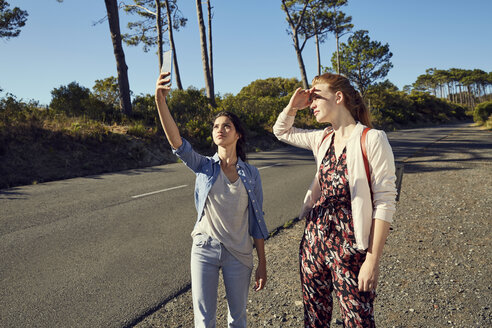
(208, 256)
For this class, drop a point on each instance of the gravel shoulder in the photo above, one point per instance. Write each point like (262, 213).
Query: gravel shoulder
(436, 270)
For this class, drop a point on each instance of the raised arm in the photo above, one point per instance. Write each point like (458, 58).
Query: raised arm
(283, 128)
(170, 128)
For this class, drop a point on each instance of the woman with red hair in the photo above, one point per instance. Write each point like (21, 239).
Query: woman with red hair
(348, 213)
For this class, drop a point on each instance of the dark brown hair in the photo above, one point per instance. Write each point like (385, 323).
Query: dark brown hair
(238, 125)
(352, 99)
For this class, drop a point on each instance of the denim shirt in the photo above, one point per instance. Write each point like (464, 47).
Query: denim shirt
(207, 170)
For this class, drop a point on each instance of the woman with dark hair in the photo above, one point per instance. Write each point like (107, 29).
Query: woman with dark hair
(348, 208)
(228, 199)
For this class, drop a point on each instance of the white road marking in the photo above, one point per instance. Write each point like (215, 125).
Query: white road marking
(158, 191)
(266, 167)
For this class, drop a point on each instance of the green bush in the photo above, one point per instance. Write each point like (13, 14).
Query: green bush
(145, 110)
(391, 108)
(192, 112)
(98, 110)
(107, 91)
(69, 99)
(482, 112)
(77, 101)
(15, 112)
(274, 87)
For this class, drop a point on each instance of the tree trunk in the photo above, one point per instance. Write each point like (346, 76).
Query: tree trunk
(210, 52)
(159, 31)
(470, 97)
(305, 83)
(317, 53)
(300, 61)
(338, 52)
(461, 94)
(173, 48)
(205, 63)
(295, 39)
(123, 83)
(337, 37)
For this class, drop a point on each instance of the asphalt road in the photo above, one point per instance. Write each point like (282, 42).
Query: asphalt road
(102, 251)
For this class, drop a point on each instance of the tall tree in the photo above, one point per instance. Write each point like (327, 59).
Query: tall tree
(209, 85)
(174, 24)
(149, 30)
(341, 25)
(295, 10)
(123, 83)
(11, 20)
(119, 54)
(319, 23)
(363, 61)
(307, 19)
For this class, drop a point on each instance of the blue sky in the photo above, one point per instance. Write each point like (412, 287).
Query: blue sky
(59, 43)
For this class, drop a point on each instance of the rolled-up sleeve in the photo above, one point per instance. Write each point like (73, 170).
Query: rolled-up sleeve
(302, 138)
(189, 156)
(383, 176)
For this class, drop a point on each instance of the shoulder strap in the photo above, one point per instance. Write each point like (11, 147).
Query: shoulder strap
(364, 156)
(326, 136)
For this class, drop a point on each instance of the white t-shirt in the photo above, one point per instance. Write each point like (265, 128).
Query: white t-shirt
(225, 218)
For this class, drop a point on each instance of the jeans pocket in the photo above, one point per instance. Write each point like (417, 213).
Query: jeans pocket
(200, 240)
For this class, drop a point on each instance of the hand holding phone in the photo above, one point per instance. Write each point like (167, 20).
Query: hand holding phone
(167, 60)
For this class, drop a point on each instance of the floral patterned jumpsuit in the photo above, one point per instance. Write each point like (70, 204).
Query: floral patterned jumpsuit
(328, 259)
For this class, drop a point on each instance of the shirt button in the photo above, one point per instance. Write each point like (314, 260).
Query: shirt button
(253, 200)
(249, 190)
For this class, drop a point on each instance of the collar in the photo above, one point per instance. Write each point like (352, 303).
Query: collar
(356, 133)
(240, 163)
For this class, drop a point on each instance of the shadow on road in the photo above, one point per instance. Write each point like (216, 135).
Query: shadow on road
(11, 194)
(477, 150)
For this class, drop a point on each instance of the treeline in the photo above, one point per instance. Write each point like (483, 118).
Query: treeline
(392, 108)
(465, 87)
(258, 104)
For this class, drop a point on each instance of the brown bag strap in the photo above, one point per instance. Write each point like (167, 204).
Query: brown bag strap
(364, 156)
(326, 136)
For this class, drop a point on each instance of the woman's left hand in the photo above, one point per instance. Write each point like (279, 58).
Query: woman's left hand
(368, 275)
(261, 276)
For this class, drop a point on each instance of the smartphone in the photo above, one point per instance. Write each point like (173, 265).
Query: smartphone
(167, 61)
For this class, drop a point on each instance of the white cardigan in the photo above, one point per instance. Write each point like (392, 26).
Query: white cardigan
(381, 164)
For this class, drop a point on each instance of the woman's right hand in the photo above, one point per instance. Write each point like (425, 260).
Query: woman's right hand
(302, 98)
(163, 86)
